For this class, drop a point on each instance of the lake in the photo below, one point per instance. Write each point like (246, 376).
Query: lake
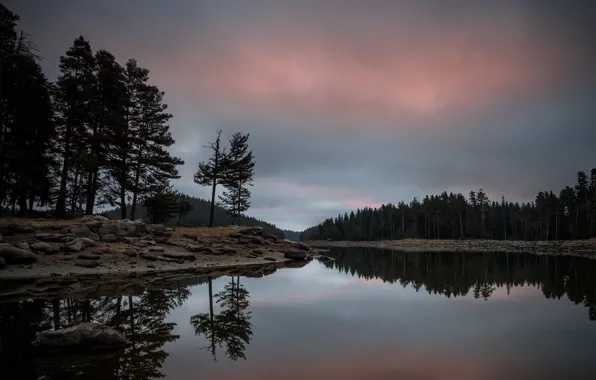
(369, 314)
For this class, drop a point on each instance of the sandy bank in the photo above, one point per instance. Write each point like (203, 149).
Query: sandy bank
(580, 248)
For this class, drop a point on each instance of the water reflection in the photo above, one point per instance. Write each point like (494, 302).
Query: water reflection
(368, 314)
(141, 318)
(479, 274)
(231, 326)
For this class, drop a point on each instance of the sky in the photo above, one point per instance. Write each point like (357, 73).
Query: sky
(357, 103)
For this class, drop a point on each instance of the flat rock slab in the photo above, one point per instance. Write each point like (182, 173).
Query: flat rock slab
(13, 255)
(179, 255)
(269, 258)
(83, 338)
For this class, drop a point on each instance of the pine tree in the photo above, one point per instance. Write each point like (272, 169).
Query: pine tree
(26, 120)
(210, 173)
(238, 176)
(73, 96)
(162, 204)
(152, 166)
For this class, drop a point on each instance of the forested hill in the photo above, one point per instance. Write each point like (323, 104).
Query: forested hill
(292, 235)
(570, 214)
(199, 216)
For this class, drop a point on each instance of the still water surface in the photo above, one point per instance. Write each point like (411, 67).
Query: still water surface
(368, 315)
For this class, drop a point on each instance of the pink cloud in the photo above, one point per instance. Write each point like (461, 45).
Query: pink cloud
(375, 77)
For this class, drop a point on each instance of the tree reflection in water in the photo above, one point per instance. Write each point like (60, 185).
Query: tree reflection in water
(141, 318)
(456, 274)
(231, 326)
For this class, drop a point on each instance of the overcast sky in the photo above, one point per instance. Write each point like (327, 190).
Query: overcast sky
(353, 103)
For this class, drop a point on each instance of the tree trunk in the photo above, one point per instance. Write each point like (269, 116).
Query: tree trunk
(22, 203)
(212, 209)
(135, 191)
(61, 202)
(122, 203)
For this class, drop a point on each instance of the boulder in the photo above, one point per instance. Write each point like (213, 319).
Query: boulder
(16, 228)
(52, 250)
(129, 240)
(87, 242)
(40, 246)
(108, 230)
(14, 255)
(84, 232)
(194, 248)
(179, 255)
(86, 263)
(23, 245)
(268, 258)
(295, 254)
(108, 238)
(157, 229)
(1, 238)
(73, 246)
(86, 337)
(301, 246)
(251, 231)
(2, 262)
(93, 224)
(190, 237)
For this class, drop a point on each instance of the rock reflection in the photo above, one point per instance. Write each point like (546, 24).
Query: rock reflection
(141, 317)
(231, 326)
(459, 274)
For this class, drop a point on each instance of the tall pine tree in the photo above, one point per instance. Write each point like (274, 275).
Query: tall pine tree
(237, 176)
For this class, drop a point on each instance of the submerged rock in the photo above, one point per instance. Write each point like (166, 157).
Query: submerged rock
(14, 255)
(83, 338)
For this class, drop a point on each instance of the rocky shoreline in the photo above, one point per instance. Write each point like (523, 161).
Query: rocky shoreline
(578, 248)
(51, 252)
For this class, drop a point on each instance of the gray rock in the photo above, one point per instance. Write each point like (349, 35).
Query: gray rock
(44, 236)
(16, 227)
(268, 258)
(92, 224)
(129, 240)
(81, 231)
(74, 246)
(258, 251)
(107, 230)
(86, 264)
(295, 254)
(194, 248)
(40, 246)
(87, 242)
(83, 338)
(52, 250)
(108, 238)
(14, 255)
(1, 238)
(23, 245)
(2, 262)
(89, 218)
(301, 246)
(157, 229)
(251, 231)
(226, 249)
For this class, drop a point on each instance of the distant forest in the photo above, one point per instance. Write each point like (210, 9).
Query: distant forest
(569, 215)
(199, 217)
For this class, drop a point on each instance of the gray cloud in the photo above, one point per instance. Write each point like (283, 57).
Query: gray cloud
(312, 164)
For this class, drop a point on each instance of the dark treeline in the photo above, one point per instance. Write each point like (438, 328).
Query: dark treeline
(477, 274)
(96, 136)
(198, 216)
(571, 214)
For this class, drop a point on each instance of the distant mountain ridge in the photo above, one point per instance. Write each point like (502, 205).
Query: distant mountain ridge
(199, 217)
